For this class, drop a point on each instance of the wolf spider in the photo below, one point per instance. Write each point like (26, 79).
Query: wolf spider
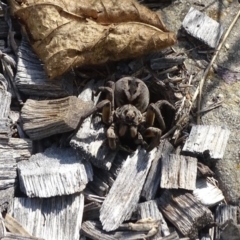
(130, 117)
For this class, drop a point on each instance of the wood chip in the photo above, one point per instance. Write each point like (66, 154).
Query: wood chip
(178, 172)
(57, 218)
(223, 213)
(93, 230)
(6, 198)
(152, 182)
(208, 141)
(48, 117)
(54, 172)
(207, 193)
(125, 192)
(31, 78)
(202, 27)
(21, 149)
(173, 204)
(150, 209)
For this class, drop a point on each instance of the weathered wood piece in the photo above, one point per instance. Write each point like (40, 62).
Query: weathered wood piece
(93, 230)
(3, 28)
(152, 182)
(166, 62)
(55, 172)
(21, 149)
(202, 27)
(2, 227)
(224, 213)
(150, 209)
(13, 236)
(48, 117)
(178, 172)
(57, 218)
(185, 212)
(31, 78)
(8, 170)
(125, 192)
(5, 101)
(90, 139)
(14, 226)
(231, 231)
(208, 141)
(207, 193)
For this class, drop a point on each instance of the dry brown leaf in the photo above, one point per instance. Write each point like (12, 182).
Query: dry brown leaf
(67, 34)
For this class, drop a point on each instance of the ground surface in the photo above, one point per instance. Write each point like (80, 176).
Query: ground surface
(216, 86)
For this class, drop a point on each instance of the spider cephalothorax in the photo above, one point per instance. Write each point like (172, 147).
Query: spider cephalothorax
(132, 120)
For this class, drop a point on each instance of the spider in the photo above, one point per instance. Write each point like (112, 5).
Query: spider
(131, 119)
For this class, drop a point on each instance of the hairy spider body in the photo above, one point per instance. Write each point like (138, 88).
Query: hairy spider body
(130, 117)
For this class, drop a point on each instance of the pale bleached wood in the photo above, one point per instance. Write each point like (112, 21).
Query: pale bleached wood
(21, 149)
(48, 117)
(8, 170)
(173, 236)
(125, 192)
(5, 101)
(185, 212)
(208, 141)
(6, 197)
(13, 236)
(207, 193)
(57, 218)
(150, 209)
(153, 178)
(55, 172)
(202, 27)
(31, 78)
(93, 230)
(2, 227)
(90, 140)
(223, 213)
(178, 172)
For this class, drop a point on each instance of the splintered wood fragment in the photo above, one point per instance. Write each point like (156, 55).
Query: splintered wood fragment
(207, 193)
(8, 170)
(208, 141)
(57, 171)
(185, 212)
(178, 172)
(31, 78)
(125, 192)
(21, 149)
(173, 236)
(2, 227)
(57, 218)
(14, 236)
(166, 62)
(150, 209)
(5, 101)
(14, 226)
(93, 230)
(202, 27)
(222, 214)
(91, 211)
(90, 140)
(48, 117)
(152, 182)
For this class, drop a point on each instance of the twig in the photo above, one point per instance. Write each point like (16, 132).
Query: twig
(200, 86)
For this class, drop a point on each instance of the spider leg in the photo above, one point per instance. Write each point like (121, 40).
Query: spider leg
(154, 110)
(112, 136)
(104, 105)
(155, 135)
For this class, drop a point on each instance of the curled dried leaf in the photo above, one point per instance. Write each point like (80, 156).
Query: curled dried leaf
(67, 34)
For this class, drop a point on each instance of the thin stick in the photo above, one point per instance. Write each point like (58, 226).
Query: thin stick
(200, 86)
